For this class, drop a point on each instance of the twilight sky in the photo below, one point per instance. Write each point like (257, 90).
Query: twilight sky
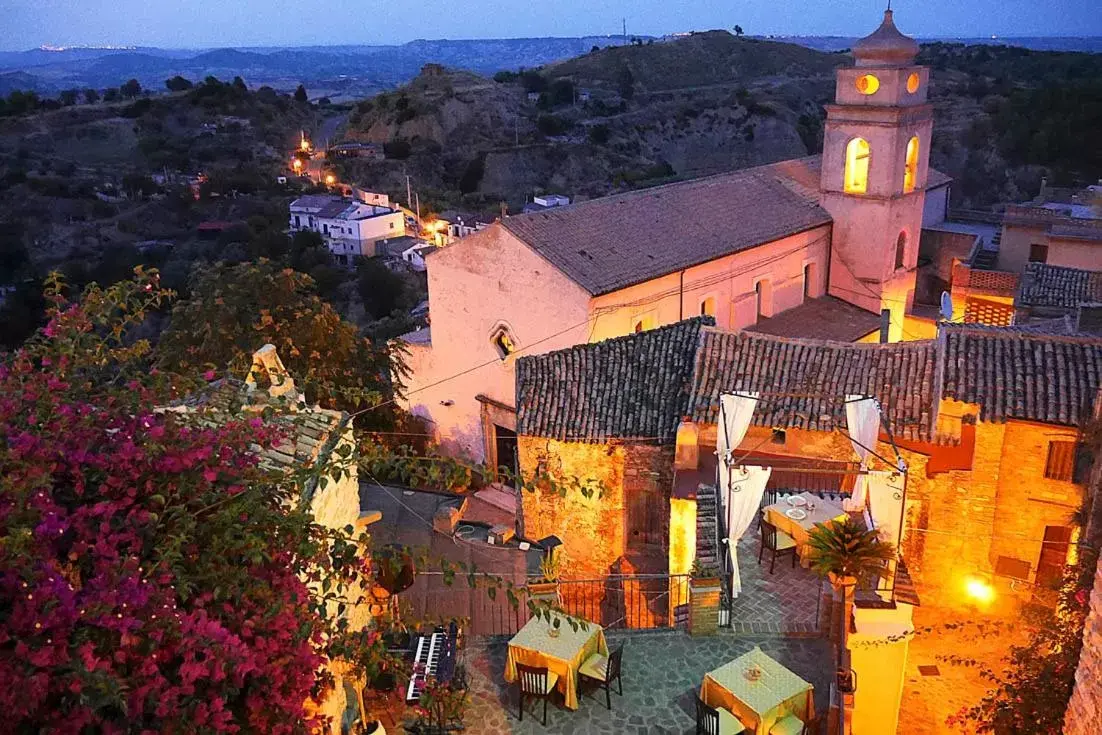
(205, 23)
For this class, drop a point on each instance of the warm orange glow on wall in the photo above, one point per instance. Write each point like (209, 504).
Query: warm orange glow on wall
(682, 534)
(867, 84)
(912, 82)
(910, 169)
(857, 166)
(979, 591)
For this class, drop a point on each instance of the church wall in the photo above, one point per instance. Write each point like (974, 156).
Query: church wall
(481, 281)
(729, 281)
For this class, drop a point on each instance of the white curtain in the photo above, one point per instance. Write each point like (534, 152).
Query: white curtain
(737, 495)
(885, 493)
(747, 485)
(863, 424)
(735, 415)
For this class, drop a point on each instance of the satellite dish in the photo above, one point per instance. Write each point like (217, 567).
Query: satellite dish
(946, 306)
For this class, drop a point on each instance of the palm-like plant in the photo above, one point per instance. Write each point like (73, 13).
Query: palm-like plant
(843, 550)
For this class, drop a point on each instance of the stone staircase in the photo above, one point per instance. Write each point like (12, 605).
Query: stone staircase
(988, 254)
(707, 528)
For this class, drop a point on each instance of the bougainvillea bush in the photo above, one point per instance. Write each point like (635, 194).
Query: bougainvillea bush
(153, 577)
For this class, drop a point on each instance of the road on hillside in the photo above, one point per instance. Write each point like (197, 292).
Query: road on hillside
(327, 133)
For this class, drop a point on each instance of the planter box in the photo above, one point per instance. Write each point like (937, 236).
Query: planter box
(704, 596)
(544, 592)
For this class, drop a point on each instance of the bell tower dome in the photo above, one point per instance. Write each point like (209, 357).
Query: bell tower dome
(876, 146)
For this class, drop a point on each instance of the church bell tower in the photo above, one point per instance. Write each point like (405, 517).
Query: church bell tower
(876, 149)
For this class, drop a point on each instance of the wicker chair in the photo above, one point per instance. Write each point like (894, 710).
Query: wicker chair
(712, 721)
(778, 542)
(535, 683)
(604, 670)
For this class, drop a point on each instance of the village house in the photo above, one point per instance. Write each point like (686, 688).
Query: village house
(350, 228)
(823, 246)
(987, 422)
(357, 149)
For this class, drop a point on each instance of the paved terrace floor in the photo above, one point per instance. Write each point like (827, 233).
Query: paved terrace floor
(662, 672)
(786, 601)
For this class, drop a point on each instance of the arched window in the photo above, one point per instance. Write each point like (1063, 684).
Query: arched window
(857, 166)
(867, 84)
(708, 306)
(913, 82)
(503, 342)
(910, 166)
(901, 250)
(763, 295)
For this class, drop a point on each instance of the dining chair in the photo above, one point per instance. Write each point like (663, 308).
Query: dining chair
(603, 670)
(789, 725)
(769, 497)
(778, 542)
(536, 682)
(716, 721)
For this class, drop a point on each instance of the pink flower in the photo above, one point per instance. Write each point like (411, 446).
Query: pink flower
(209, 375)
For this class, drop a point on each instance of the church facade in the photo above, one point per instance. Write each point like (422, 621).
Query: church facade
(824, 246)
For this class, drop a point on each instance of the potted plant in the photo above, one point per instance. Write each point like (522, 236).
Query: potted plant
(547, 588)
(704, 593)
(394, 568)
(555, 625)
(845, 552)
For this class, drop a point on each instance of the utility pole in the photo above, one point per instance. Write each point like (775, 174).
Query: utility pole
(516, 130)
(409, 197)
(625, 22)
(419, 224)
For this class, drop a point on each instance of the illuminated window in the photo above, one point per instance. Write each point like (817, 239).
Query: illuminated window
(900, 250)
(643, 323)
(910, 167)
(503, 342)
(857, 166)
(708, 306)
(867, 84)
(913, 82)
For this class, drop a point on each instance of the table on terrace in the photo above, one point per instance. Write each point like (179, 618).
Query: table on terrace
(533, 645)
(800, 529)
(758, 704)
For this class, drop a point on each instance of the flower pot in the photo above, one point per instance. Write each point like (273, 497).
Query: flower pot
(374, 728)
(543, 589)
(840, 581)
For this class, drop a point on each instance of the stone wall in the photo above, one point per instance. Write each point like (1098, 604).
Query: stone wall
(594, 530)
(1084, 714)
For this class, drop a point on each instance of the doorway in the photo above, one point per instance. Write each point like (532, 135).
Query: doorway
(505, 452)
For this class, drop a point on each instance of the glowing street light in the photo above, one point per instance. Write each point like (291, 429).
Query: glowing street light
(330, 180)
(296, 165)
(979, 590)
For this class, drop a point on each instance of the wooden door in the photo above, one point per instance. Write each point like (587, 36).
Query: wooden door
(1054, 555)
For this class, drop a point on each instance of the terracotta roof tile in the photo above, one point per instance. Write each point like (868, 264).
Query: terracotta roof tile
(1017, 375)
(812, 378)
(822, 318)
(609, 243)
(628, 387)
(1054, 286)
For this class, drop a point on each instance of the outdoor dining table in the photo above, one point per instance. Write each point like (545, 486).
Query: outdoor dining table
(800, 528)
(533, 645)
(759, 704)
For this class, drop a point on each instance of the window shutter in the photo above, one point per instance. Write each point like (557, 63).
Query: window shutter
(1061, 461)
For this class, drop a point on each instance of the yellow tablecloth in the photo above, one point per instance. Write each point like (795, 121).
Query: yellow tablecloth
(564, 655)
(758, 704)
(801, 530)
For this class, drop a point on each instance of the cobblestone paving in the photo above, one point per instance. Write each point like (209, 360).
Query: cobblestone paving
(783, 602)
(662, 674)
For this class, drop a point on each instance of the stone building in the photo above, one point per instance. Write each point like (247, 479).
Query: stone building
(986, 420)
(315, 438)
(824, 246)
(1084, 713)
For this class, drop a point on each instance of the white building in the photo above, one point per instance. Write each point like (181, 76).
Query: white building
(350, 228)
(551, 200)
(415, 255)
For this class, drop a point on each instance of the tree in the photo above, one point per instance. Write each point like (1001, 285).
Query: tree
(111, 94)
(738, 30)
(13, 251)
(178, 84)
(91, 96)
(69, 97)
(154, 577)
(625, 82)
(599, 134)
(300, 95)
(239, 85)
(381, 289)
(232, 309)
(131, 89)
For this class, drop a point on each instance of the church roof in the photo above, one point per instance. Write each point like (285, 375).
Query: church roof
(617, 241)
(886, 46)
(826, 317)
